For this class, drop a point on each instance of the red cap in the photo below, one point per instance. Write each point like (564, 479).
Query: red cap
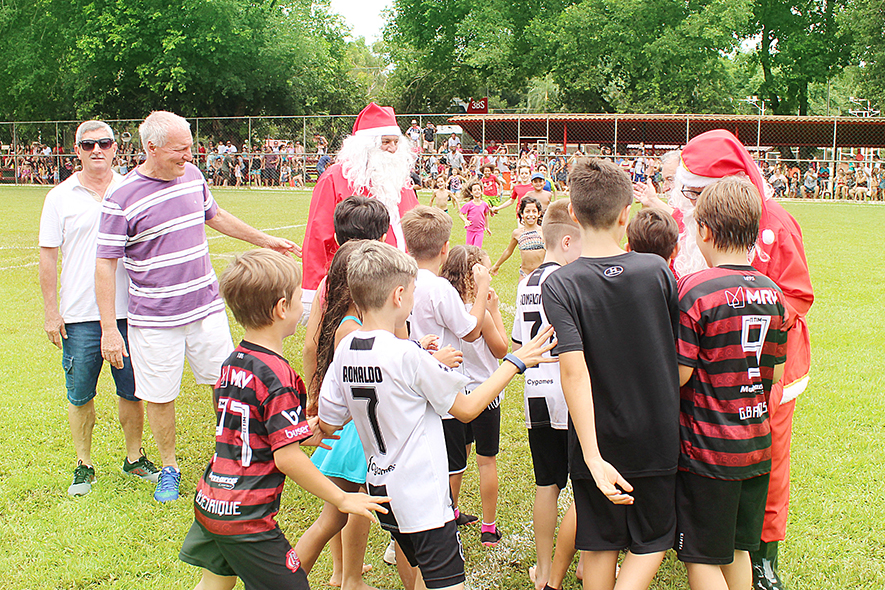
(376, 120)
(714, 155)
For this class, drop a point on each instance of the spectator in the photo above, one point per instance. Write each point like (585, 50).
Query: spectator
(174, 307)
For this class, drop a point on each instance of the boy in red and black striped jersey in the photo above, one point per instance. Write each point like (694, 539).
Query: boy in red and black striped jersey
(258, 401)
(731, 349)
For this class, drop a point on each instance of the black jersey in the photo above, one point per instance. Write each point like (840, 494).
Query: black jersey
(621, 312)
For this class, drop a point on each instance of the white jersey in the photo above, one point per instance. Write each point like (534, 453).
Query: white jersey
(478, 364)
(438, 309)
(544, 402)
(396, 393)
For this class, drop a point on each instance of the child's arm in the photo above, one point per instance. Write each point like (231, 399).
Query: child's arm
(579, 398)
(478, 311)
(685, 374)
(292, 461)
(468, 407)
(493, 331)
(508, 252)
(455, 200)
(311, 340)
(505, 204)
(488, 227)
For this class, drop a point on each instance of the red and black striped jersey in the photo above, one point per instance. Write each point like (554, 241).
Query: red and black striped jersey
(258, 404)
(731, 330)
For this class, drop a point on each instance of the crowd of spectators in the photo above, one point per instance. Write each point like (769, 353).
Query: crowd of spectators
(284, 163)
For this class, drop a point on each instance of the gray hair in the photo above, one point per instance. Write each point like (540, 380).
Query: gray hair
(156, 127)
(670, 156)
(93, 125)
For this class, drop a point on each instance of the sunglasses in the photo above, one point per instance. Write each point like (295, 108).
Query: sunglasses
(89, 144)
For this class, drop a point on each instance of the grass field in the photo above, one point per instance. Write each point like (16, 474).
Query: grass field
(118, 537)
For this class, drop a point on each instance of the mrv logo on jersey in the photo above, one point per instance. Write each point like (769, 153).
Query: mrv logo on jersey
(361, 375)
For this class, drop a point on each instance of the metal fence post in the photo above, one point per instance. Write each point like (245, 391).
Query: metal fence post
(14, 153)
(304, 149)
(687, 128)
(615, 150)
(483, 132)
(832, 181)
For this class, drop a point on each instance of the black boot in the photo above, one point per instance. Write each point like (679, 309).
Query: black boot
(765, 567)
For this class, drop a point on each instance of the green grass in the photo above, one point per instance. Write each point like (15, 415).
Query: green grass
(118, 537)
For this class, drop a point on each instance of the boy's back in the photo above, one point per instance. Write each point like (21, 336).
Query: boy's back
(396, 393)
(258, 403)
(621, 312)
(732, 333)
(439, 310)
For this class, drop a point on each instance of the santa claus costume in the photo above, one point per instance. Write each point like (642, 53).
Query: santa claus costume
(780, 255)
(361, 168)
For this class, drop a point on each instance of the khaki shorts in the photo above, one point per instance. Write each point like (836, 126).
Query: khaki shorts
(158, 356)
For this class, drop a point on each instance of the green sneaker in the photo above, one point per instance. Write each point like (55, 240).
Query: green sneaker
(84, 477)
(143, 468)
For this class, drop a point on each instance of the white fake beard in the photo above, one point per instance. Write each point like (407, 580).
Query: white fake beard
(374, 171)
(689, 259)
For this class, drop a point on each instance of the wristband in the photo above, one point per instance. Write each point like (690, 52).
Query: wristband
(520, 366)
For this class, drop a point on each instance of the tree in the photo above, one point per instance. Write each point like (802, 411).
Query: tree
(800, 42)
(124, 58)
(636, 55)
(867, 19)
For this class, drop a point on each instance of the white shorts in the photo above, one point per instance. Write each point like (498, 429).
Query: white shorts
(158, 356)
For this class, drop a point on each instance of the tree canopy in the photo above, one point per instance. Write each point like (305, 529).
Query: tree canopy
(63, 59)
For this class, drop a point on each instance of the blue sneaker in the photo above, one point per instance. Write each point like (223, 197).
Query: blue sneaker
(167, 487)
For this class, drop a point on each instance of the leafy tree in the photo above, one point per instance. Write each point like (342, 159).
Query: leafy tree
(800, 43)
(123, 58)
(636, 55)
(866, 18)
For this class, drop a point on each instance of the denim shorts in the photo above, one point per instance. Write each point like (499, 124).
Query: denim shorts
(81, 361)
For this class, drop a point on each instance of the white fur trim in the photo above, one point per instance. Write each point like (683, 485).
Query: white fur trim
(793, 390)
(686, 178)
(379, 131)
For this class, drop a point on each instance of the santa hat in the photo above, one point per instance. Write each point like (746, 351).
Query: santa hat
(714, 155)
(374, 121)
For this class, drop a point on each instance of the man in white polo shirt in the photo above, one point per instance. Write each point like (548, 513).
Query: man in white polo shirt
(154, 220)
(70, 222)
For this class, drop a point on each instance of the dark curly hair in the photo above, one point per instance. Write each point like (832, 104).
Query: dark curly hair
(458, 269)
(530, 201)
(338, 301)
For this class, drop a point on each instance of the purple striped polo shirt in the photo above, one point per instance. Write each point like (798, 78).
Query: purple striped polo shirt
(157, 228)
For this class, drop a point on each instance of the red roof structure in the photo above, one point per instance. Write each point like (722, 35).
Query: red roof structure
(674, 129)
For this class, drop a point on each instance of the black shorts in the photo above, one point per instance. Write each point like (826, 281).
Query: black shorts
(261, 565)
(716, 517)
(646, 526)
(437, 553)
(549, 455)
(455, 433)
(486, 432)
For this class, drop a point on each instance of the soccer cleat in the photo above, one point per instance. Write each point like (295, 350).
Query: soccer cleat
(84, 477)
(465, 519)
(167, 486)
(764, 561)
(491, 538)
(390, 553)
(143, 468)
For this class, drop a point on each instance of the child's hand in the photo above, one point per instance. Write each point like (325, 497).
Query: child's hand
(532, 353)
(494, 270)
(488, 230)
(643, 193)
(449, 356)
(492, 304)
(429, 342)
(609, 481)
(363, 504)
(468, 223)
(317, 435)
(481, 276)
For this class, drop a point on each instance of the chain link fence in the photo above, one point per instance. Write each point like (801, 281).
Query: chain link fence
(838, 158)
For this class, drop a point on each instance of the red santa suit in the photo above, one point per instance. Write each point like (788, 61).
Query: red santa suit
(332, 188)
(319, 239)
(780, 255)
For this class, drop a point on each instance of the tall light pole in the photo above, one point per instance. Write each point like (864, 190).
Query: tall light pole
(760, 106)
